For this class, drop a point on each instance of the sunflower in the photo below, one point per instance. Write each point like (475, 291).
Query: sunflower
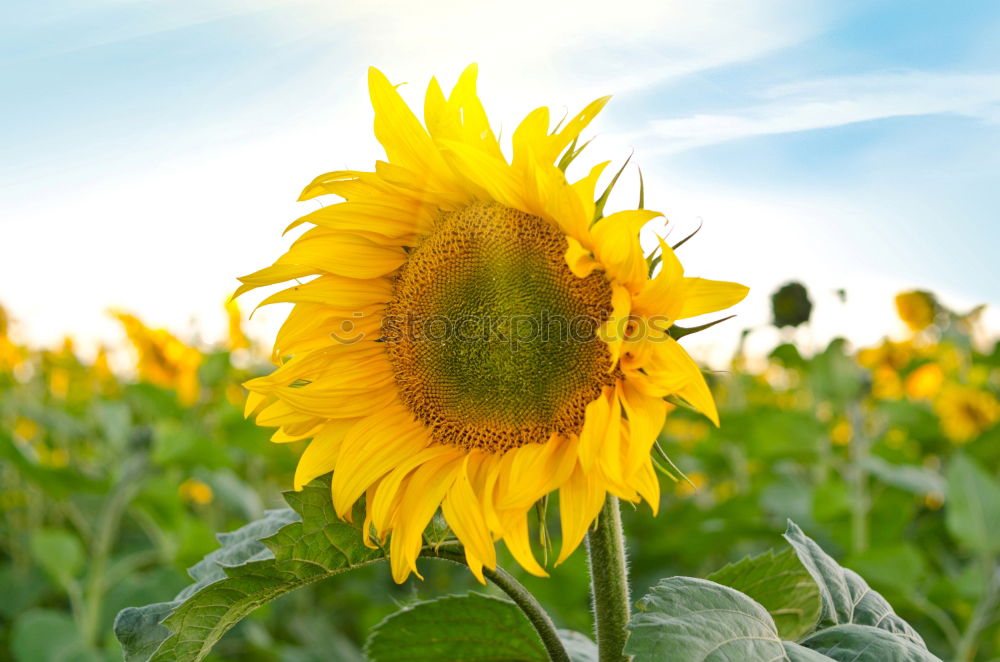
(917, 308)
(476, 334)
(163, 359)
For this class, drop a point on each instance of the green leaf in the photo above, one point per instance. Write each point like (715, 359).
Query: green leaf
(797, 653)
(58, 552)
(263, 560)
(578, 646)
(917, 480)
(456, 627)
(41, 634)
(780, 583)
(846, 597)
(683, 619)
(972, 513)
(864, 643)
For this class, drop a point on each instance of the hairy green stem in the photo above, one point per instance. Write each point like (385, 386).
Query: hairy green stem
(609, 583)
(503, 580)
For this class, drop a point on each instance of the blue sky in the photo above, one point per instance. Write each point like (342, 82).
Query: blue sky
(151, 151)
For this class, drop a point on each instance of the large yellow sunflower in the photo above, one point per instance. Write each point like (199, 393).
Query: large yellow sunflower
(476, 334)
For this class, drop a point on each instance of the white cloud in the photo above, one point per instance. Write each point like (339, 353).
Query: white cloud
(831, 102)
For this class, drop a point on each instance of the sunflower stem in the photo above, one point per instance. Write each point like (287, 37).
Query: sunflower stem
(609, 583)
(536, 614)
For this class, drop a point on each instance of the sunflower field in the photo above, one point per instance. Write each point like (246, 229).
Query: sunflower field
(115, 484)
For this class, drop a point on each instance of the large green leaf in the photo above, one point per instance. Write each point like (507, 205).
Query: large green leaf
(797, 653)
(973, 505)
(470, 628)
(864, 643)
(683, 619)
(846, 597)
(780, 583)
(263, 560)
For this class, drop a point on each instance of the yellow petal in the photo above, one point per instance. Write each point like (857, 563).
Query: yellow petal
(372, 448)
(493, 174)
(595, 425)
(464, 513)
(579, 259)
(570, 206)
(386, 217)
(613, 450)
(616, 245)
(255, 403)
(283, 436)
(515, 536)
(387, 496)
(279, 413)
(708, 296)
(461, 117)
(663, 296)
(646, 415)
(614, 331)
(695, 389)
(344, 254)
(320, 456)
(530, 137)
(346, 295)
(425, 490)
(366, 526)
(562, 138)
(580, 500)
(535, 470)
(322, 185)
(396, 127)
(647, 483)
(278, 273)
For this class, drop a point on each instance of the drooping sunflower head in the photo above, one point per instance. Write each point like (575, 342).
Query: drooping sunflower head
(918, 308)
(476, 334)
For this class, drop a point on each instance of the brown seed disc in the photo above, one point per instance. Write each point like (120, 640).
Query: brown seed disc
(491, 337)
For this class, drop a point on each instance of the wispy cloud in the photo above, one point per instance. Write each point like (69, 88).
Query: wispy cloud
(830, 102)
(587, 46)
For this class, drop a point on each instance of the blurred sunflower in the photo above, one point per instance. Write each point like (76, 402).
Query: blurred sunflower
(966, 412)
(917, 308)
(477, 334)
(10, 354)
(163, 359)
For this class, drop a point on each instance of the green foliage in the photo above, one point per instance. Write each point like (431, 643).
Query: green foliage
(58, 552)
(255, 565)
(52, 636)
(780, 583)
(864, 643)
(96, 513)
(695, 620)
(973, 506)
(844, 596)
(683, 618)
(456, 627)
